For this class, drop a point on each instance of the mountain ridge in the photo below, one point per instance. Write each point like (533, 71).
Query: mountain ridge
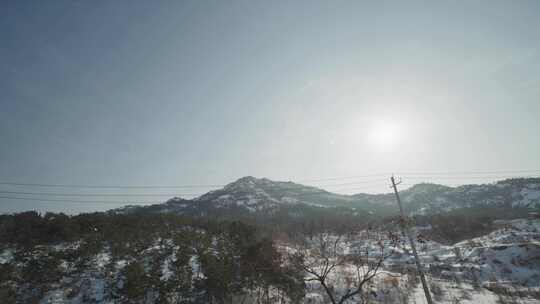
(261, 195)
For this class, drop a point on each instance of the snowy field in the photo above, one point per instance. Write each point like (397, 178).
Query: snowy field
(501, 267)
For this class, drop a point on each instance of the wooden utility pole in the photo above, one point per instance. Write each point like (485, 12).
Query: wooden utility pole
(407, 230)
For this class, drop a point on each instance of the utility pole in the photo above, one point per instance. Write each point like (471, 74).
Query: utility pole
(407, 230)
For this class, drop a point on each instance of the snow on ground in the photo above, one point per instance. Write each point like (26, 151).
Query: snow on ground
(448, 292)
(451, 293)
(506, 258)
(166, 269)
(476, 271)
(6, 256)
(102, 259)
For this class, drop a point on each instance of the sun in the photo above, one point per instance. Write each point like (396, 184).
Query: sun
(383, 134)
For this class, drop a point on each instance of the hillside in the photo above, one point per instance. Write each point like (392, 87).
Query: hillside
(261, 196)
(103, 258)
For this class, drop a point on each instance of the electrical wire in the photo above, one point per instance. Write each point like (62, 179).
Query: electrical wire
(76, 201)
(97, 194)
(452, 175)
(404, 173)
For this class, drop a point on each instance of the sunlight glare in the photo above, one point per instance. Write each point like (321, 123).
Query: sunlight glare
(383, 134)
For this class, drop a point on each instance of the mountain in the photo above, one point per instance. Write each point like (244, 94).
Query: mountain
(428, 198)
(258, 194)
(250, 195)
(253, 196)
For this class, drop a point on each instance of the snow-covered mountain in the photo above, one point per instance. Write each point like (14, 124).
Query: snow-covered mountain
(258, 194)
(432, 198)
(261, 195)
(250, 195)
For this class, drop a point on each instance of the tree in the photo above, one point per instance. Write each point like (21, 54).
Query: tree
(136, 281)
(262, 269)
(327, 254)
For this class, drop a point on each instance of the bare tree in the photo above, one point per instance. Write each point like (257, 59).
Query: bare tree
(327, 254)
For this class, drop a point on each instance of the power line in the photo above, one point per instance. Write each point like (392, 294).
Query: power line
(467, 172)
(105, 186)
(65, 194)
(467, 177)
(354, 183)
(422, 173)
(77, 201)
(341, 178)
(98, 194)
(406, 173)
(293, 195)
(129, 202)
(80, 186)
(162, 187)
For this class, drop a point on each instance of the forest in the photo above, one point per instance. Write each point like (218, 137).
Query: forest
(172, 258)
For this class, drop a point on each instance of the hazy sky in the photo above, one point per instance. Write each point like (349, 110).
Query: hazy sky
(204, 92)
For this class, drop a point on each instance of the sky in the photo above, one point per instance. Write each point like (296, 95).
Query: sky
(205, 92)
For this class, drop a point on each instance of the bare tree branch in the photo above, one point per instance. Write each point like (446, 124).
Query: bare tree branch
(322, 259)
